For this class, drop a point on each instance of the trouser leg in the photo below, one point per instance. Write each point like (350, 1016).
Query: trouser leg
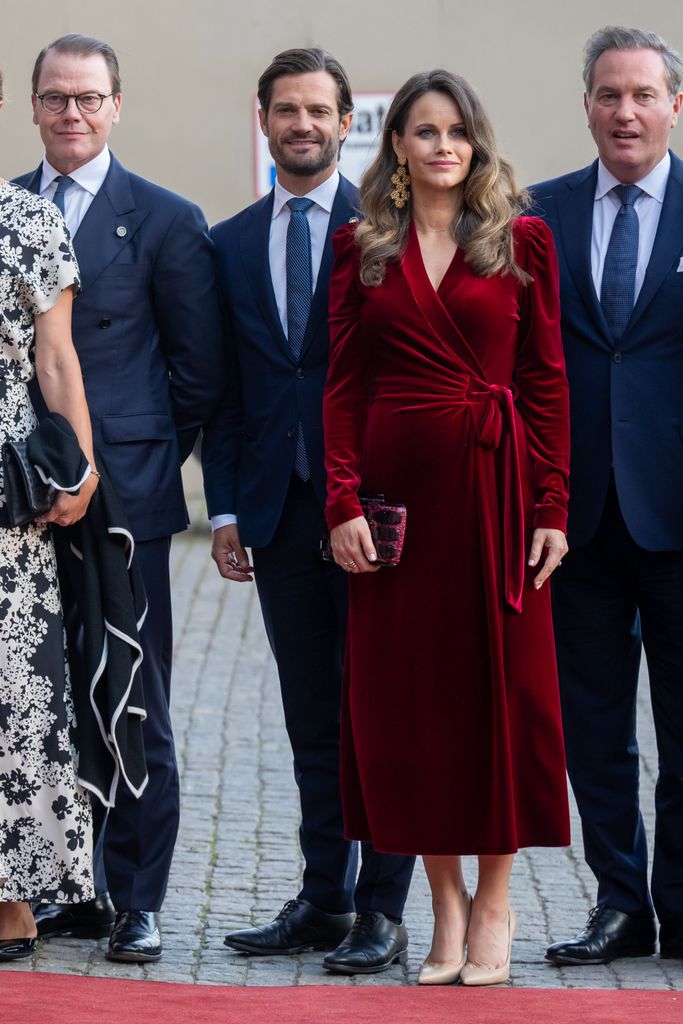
(597, 632)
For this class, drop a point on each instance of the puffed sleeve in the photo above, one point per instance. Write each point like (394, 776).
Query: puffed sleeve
(53, 266)
(542, 389)
(348, 388)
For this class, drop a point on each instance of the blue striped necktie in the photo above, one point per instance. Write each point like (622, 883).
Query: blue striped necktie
(617, 293)
(299, 295)
(64, 183)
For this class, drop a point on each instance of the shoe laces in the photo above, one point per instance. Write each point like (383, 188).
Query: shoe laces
(596, 913)
(364, 922)
(289, 908)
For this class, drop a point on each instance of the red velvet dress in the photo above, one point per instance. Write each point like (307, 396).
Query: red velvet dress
(454, 402)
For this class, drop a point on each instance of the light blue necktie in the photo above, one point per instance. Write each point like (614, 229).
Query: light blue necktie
(64, 183)
(619, 274)
(299, 295)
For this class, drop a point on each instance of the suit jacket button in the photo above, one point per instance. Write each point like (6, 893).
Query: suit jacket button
(300, 373)
(617, 357)
(103, 324)
(291, 432)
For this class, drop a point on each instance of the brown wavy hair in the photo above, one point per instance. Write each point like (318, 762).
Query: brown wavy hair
(490, 198)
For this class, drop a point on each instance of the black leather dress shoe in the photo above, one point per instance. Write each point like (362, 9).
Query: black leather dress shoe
(608, 935)
(16, 949)
(92, 919)
(299, 926)
(671, 938)
(373, 944)
(135, 938)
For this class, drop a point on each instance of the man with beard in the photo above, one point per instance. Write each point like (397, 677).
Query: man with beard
(265, 487)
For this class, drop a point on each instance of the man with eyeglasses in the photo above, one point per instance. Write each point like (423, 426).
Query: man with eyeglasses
(148, 333)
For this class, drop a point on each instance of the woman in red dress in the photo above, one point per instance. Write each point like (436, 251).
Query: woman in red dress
(446, 391)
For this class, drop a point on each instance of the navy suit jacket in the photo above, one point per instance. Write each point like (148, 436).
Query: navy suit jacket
(147, 329)
(627, 395)
(248, 448)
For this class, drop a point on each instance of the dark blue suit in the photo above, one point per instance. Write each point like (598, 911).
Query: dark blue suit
(623, 577)
(148, 335)
(248, 458)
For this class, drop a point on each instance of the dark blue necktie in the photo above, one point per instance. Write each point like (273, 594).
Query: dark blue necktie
(64, 183)
(619, 274)
(299, 295)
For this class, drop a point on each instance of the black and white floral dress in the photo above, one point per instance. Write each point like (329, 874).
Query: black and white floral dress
(45, 819)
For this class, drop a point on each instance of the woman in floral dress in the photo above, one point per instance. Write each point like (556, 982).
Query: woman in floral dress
(45, 820)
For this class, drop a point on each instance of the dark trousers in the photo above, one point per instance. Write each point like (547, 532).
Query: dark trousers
(606, 596)
(303, 601)
(134, 845)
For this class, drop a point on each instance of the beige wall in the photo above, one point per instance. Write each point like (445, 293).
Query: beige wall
(190, 69)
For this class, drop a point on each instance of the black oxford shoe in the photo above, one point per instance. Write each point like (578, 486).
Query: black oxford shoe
(373, 944)
(135, 938)
(608, 935)
(671, 938)
(92, 919)
(16, 949)
(299, 926)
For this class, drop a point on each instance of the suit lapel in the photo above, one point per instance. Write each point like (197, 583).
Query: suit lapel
(667, 245)
(254, 245)
(343, 208)
(109, 225)
(575, 214)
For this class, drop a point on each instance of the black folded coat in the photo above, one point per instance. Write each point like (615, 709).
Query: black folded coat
(96, 560)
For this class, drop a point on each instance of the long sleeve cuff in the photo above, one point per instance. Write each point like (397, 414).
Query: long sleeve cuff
(227, 519)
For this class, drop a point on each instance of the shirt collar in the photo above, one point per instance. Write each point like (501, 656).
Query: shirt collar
(322, 196)
(653, 183)
(90, 176)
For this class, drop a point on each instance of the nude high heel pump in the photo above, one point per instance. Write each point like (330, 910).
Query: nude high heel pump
(476, 974)
(446, 972)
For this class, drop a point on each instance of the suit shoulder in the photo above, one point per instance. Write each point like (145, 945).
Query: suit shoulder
(552, 188)
(148, 191)
(231, 226)
(23, 180)
(350, 191)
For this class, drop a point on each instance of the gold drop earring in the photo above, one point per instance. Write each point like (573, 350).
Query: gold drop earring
(401, 182)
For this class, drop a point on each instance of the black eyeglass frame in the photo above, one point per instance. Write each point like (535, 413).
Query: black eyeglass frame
(66, 96)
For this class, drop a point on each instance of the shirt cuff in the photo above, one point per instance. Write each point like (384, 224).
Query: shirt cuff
(224, 520)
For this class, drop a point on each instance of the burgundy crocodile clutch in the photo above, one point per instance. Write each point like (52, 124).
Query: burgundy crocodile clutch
(387, 522)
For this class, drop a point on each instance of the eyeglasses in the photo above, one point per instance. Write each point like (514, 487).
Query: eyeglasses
(87, 102)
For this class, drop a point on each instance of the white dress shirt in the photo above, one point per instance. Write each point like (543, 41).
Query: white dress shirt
(87, 179)
(319, 220)
(648, 207)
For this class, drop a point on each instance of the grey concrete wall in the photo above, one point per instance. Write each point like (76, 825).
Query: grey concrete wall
(190, 70)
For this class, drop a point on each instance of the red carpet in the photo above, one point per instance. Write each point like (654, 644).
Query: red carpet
(65, 999)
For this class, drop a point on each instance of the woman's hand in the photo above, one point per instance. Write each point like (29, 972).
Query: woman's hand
(69, 508)
(352, 546)
(555, 543)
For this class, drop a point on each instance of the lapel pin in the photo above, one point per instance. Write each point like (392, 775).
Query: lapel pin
(121, 231)
(353, 220)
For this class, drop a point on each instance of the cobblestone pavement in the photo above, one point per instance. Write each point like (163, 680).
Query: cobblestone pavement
(237, 858)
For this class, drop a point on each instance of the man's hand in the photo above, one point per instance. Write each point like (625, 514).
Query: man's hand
(555, 543)
(230, 556)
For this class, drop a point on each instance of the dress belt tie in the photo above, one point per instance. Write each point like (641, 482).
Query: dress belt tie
(496, 429)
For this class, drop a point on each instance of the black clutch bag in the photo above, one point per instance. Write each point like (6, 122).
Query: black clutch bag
(387, 522)
(26, 496)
